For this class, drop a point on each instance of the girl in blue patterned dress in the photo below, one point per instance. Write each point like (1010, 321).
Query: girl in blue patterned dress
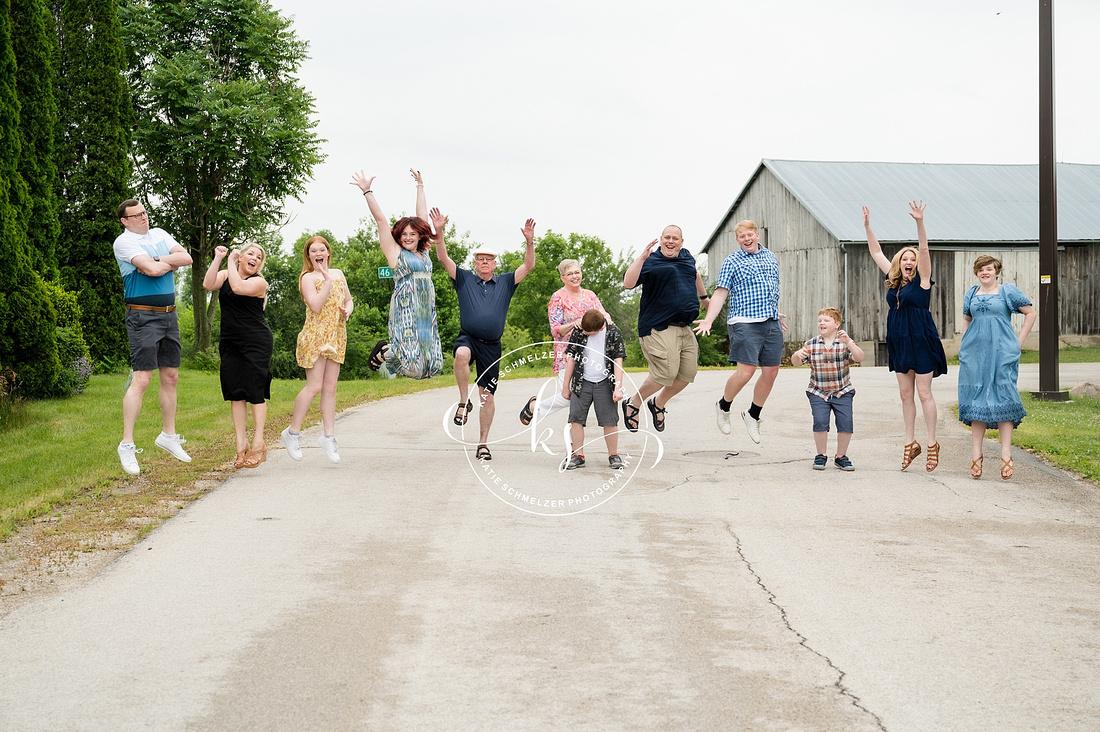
(413, 349)
(913, 344)
(989, 361)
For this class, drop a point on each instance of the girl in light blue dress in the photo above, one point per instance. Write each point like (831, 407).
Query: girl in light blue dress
(989, 361)
(413, 349)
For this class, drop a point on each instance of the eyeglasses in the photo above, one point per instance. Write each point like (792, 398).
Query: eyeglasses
(137, 215)
(485, 259)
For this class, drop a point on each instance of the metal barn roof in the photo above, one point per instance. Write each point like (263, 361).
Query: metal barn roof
(966, 202)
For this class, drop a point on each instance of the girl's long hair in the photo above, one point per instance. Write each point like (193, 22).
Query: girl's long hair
(896, 279)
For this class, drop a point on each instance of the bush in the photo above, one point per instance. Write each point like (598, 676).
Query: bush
(206, 360)
(13, 411)
(76, 362)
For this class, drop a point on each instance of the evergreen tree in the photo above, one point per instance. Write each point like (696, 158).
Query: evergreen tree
(27, 321)
(223, 131)
(93, 166)
(35, 44)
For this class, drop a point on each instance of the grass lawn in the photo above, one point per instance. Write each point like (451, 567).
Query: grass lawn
(1065, 433)
(1066, 354)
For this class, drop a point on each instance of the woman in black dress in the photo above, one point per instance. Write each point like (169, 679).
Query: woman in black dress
(245, 346)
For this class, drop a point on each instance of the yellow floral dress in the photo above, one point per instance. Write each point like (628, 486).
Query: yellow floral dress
(325, 333)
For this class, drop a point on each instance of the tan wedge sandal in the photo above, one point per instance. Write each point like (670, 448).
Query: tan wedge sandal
(933, 459)
(911, 452)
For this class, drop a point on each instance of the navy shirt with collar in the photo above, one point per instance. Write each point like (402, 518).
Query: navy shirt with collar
(483, 305)
(668, 292)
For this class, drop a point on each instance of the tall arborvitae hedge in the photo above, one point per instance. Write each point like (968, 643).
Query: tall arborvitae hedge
(35, 43)
(93, 165)
(28, 343)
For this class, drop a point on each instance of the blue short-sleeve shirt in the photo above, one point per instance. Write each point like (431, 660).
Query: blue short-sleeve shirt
(483, 305)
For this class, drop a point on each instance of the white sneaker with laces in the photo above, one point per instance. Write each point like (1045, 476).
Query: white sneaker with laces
(127, 453)
(753, 427)
(723, 419)
(293, 444)
(174, 445)
(329, 444)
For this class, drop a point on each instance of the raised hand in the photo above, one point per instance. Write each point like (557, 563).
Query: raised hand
(529, 230)
(416, 177)
(361, 180)
(843, 336)
(233, 257)
(916, 210)
(220, 251)
(866, 216)
(702, 327)
(439, 221)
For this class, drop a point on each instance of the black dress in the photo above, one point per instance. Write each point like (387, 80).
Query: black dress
(245, 346)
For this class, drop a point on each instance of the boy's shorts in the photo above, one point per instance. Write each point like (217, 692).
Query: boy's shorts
(840, 406)
(672, 354)
(598, 393)
(756, 344)
(484, 357)
(154, 339)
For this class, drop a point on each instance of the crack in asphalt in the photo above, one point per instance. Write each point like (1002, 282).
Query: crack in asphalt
(802, 640)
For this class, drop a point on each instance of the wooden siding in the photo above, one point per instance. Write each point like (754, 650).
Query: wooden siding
(812, 271)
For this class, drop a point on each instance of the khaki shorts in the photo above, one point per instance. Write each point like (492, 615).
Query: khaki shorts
(673, 354)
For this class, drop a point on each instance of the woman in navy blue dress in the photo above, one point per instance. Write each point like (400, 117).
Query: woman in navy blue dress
(915, 353)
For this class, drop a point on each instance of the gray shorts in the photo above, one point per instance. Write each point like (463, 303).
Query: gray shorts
(598, 393)
(756, 344)
(840, 406)
(154, 339)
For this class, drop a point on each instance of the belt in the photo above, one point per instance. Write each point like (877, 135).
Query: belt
(151, 308)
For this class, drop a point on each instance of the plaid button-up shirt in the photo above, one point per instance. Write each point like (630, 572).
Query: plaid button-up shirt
(829, 370)
(753, 284)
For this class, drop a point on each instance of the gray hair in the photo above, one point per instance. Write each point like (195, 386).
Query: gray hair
(566, 264)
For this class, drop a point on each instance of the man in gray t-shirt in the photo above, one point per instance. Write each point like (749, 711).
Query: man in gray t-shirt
(483, 299)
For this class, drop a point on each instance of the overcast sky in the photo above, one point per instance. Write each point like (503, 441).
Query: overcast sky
(616, 118)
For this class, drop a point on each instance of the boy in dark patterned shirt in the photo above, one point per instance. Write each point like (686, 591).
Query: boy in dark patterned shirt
(830, 388)
(594, 378)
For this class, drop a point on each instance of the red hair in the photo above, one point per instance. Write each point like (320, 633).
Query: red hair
(419, 225)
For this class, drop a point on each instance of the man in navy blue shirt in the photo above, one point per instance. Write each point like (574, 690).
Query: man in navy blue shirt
(671, 292)
(483, 299)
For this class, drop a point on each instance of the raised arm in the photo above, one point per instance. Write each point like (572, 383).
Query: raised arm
(872, 244)
(389, 246)
(924, 259)
(311, 296)
(252, 287)
(213, 279)
(421, 199)
(439, 222)
(634, 271)
(529, 257)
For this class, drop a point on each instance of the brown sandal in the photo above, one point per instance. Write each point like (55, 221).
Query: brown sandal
(256, 457)
(911, 452)
(1007, 468)
(933, 459)
(241, 455)
(976, 468)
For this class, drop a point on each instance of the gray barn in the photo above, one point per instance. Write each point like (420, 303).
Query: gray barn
(809, 214)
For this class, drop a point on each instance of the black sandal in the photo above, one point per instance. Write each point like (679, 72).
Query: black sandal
(376, 357)
(461, 419)
(658, 415)
(483, 453)
(630, 418)
(526, 414)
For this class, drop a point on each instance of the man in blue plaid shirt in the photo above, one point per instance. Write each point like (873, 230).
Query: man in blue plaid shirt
(750, 279)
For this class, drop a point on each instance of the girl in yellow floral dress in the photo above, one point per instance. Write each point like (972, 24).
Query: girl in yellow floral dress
(321, 344)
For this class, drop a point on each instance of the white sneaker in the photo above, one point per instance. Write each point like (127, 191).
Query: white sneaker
(329, 443)
(723, 419)
(127, 453)
(293, 444)
(753, 427)
(173, 444)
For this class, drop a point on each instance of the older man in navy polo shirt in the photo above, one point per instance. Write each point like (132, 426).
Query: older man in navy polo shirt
(483, 300)
(671, 292)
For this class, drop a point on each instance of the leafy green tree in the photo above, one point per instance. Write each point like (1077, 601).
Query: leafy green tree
(92, 166)
(36, 56)
(28, 343)
(223, 130)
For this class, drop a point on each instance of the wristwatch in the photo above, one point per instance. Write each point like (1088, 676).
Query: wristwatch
(156, 259)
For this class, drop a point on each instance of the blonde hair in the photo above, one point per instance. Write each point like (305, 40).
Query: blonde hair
(987, 259)
(307, 263)
(263, 256)
(748, 224)
(832, 313)
(895, 279)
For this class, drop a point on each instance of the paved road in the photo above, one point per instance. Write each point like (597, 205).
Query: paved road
(396, 591)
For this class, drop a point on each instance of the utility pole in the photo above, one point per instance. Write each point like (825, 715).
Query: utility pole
(1048, 214)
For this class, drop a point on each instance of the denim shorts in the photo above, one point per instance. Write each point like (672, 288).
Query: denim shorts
(756, 344)
(840, 406)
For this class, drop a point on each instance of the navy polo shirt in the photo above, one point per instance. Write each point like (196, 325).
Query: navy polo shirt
(483, 305)
(668, 292)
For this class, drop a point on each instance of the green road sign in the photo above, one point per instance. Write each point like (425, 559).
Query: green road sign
(385, 273)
